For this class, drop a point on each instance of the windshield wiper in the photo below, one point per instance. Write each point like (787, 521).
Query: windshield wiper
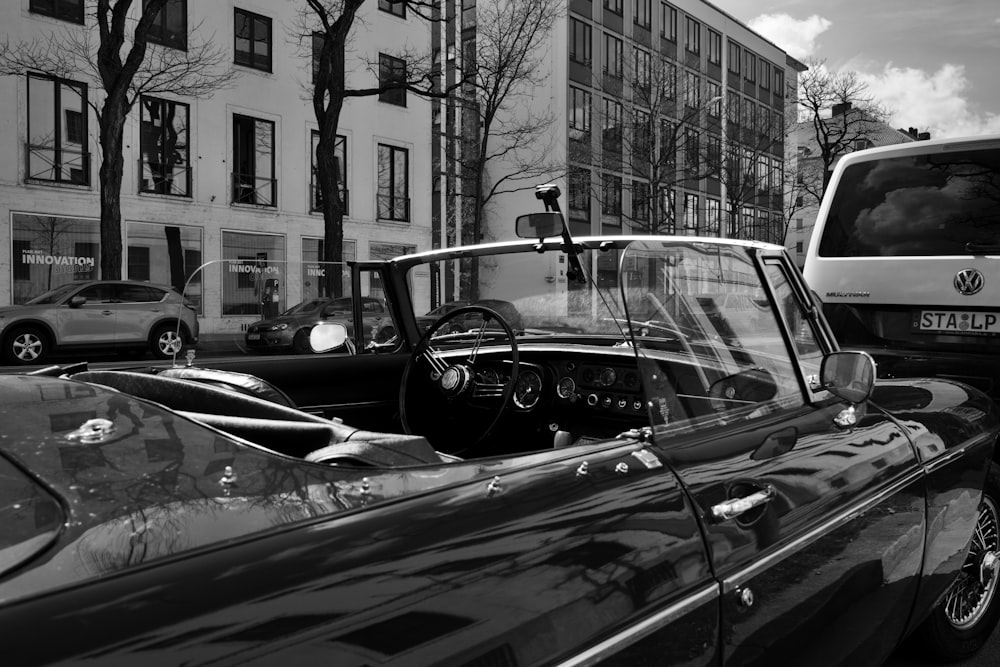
(979, 248)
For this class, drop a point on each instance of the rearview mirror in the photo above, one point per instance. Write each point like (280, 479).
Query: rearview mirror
(327, 336)
(539, 225)
(848, 375)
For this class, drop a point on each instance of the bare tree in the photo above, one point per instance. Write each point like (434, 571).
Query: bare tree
(841, 113)
(327, 25)
(115, 53)
(503, 153)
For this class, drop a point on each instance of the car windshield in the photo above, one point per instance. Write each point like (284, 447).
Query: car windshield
(54, 295)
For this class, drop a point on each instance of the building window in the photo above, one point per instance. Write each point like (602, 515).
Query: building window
(392, 71)
(340, 156)
(765, 74)
(798, 224)
(714, 47)
(714, 92)
(614, 6)
(733, 108)
(667, 207)
(243, 291)
(735, 53)
(779, 82)
(713, 216)
(643, 76)
(640, 201)
(692, 89)
(57, 131)
(67, 10)
(579, 192)
(692, 152)
(692, 35)
(42, 244)
(691, 214)
(611, 140)
(749, 66)
(640, 13)
(169, 28)
(253, 40)
(580, 49)
(668, 145)
(642, 139)
(394, 7)
(713, 155)
(668, 22)
(579, 115)
(611, 195)
(613, 56)
(393, 183)
(165, 167)
(253, 161)
(798, 247)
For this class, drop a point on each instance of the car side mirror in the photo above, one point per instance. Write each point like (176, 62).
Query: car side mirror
(539, 225)
(77, 301)
(849, 375)
(327, 336)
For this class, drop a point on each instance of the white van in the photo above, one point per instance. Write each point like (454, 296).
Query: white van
(905, 256)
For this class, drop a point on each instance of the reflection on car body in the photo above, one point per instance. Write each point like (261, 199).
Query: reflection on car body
(583, 490)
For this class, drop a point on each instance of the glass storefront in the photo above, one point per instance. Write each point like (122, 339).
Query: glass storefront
(48, 251)
(166, 255)
(251, 285)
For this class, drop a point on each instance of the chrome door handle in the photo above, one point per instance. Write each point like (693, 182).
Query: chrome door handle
(731, 509)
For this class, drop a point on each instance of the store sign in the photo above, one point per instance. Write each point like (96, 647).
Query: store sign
(61, 263)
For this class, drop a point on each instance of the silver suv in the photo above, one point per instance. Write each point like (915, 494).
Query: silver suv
(123, 315)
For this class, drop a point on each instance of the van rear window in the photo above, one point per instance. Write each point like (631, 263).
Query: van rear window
(916, 205)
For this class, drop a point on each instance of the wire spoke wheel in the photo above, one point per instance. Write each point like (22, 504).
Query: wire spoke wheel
(970, 597)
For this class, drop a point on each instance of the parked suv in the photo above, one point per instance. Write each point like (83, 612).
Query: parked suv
(123, 315)
(289, 331)
(905, 256)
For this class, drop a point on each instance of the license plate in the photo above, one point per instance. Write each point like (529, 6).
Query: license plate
(253, 336)
(957, 322)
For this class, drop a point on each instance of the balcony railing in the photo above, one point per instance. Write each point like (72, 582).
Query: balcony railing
(392, 207)
(58, 165)
(256, 190)
(164, 179)
(316, 199)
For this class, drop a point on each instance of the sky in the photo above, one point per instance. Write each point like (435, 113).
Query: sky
(935, 64)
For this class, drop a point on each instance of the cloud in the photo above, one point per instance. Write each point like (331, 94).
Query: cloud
(796, 36)
(936, 102)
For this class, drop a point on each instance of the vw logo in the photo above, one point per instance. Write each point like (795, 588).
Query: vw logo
(968, 282)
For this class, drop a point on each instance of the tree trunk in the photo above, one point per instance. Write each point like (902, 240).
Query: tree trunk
(112, 124)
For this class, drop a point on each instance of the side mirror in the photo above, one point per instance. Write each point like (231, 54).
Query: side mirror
(77, 301)
(327, 336)
(848, 375)
(539, 225)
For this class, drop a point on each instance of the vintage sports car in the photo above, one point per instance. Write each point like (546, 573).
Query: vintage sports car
(674, 465)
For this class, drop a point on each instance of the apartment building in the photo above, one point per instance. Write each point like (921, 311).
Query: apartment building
(228, 176)
(670, 119)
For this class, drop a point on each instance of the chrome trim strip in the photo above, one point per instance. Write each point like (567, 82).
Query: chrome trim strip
(733, 581)
(642, 629)
(949, 456)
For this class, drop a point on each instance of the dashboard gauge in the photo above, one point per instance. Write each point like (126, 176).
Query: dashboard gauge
(566, 388)
(488, 376)
(528, 389)
(607, 377)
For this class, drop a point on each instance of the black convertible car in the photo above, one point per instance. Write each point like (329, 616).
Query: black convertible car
(672, 465)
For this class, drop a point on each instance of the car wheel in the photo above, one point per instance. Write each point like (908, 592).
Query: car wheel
(964, 619)
(300, 344)
(166, 342)
(27, 345)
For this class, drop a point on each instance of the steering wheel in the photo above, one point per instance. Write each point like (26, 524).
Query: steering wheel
(455, 381)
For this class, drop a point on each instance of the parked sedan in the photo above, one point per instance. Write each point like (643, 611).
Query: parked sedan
(122, 315)
(623, 494)
(289, 331)
(472, 319)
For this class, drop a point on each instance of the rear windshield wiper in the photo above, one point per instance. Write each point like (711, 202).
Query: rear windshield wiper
(977, 248)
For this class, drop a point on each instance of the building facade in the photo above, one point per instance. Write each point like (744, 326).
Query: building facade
(226, 177)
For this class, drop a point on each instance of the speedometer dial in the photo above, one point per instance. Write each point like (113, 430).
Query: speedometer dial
(566, 388)
(528, 389)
